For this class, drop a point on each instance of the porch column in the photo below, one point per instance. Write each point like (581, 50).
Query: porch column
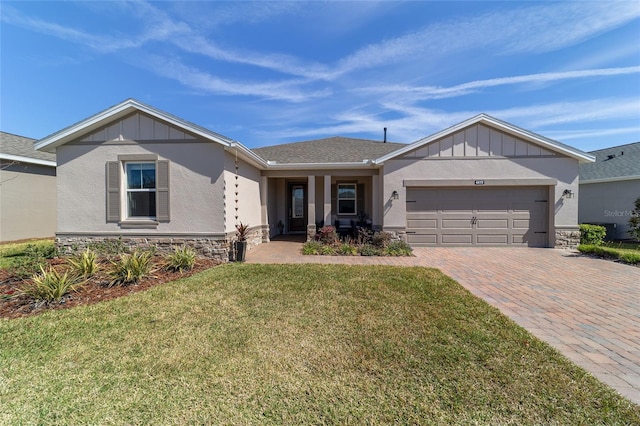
(264, 211)
(327, 201)
(311, 207)
(376, 204)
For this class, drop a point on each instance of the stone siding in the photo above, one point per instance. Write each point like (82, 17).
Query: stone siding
(204, 246)
(567, 238)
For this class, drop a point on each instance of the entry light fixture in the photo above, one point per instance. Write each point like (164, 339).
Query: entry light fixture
(395, 195)
(567, 193)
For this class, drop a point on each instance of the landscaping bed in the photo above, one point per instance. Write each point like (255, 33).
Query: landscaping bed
(364, 242)
(86, 290)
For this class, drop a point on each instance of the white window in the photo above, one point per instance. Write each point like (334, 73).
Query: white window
(347, 195)
(141, 190)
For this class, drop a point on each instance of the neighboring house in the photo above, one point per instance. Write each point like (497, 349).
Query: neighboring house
(27, 190)
(135, 172)
(609, 188)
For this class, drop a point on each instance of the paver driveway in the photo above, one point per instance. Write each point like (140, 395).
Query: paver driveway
(587, 308)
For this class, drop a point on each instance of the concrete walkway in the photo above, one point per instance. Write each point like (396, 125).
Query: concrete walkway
(588, 309)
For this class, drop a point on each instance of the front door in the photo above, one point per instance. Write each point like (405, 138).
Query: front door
(297, 207)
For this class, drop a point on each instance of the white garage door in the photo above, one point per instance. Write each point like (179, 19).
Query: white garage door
(489, 216)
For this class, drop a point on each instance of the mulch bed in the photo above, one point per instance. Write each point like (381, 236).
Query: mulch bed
(14, 305)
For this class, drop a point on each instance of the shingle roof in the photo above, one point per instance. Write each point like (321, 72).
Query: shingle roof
(336, 149)
(21, 146)
(611, 163)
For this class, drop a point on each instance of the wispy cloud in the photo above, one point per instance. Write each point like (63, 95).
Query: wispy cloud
(435, 92)
(199, 80)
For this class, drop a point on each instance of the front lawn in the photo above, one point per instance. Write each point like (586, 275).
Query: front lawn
(624, 252)
(292, 344)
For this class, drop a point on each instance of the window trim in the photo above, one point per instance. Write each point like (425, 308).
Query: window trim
(116, 191)
(126, 191)
(354, 198)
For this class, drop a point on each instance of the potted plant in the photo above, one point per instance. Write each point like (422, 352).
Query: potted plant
(240, 244)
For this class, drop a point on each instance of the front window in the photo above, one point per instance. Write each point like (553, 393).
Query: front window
(347, 198)
(141, 190)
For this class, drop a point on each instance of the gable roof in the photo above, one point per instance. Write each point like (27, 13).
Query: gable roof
(20, 148)
(336, 149)
(96, 121)
(613, 164)
(485, 119)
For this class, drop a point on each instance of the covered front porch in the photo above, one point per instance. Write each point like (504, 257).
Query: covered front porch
(301, 202)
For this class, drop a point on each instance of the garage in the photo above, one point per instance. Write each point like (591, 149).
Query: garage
(477, 216)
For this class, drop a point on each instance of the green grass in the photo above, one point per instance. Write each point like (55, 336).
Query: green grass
(626, 252)
(12, 254)
(312, 344)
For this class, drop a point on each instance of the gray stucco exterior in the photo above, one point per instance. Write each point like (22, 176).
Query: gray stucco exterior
(215, 182)
(27, 190)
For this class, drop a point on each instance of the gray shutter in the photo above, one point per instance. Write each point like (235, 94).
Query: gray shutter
(162, 191)
(360, 207)
(113, 191)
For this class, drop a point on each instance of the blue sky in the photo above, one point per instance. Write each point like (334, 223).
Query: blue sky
(273, 72)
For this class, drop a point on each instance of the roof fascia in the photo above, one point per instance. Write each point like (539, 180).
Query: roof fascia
(96, 121)
(247, 155)
(366, 164)
(30, 160)
(611, 179)
(581, 156)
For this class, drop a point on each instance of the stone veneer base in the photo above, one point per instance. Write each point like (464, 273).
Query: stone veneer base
(567, 238)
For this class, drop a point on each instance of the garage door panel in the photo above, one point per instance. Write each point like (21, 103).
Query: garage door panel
(489, 239)
(422, 223)
(422, 239)
(492, 223)
(457, 239)
(456, 224)
(478, 216)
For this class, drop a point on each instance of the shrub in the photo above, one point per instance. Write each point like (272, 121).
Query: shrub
(381, 239)
(109, 247)
(363, 236)
(634, 221)
(84, 264)
(181, 259)
(46, 251)
(369, 250)
(32, 258)
(632, 258)
(347, 249)
(311, 247)
(592, 234)
(49, 285)
(398, 248)
(327, 250)
(130, 268)
(327, 235)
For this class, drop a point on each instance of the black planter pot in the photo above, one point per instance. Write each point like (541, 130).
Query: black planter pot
(240, 248)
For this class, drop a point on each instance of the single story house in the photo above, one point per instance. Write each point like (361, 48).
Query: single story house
(27, 190)
(609, 188)
(148, 177)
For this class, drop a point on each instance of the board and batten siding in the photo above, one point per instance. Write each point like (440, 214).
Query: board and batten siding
(138, 127)
(479, 141)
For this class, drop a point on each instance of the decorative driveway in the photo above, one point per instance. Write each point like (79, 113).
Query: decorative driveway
(587, 308)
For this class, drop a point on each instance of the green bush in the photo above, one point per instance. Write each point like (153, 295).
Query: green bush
(84, 264)
(326, 250)
(130, 268)
(369, 250)
(49, 285)
(381, 239)
(634, 221)
(181, 259)
(626, 256)
(347, 249)
(398, 248)
(311, 247)
(592, 234)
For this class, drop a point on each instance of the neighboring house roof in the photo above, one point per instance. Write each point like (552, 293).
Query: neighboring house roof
(500, 125)
(125, 108)
(335, 149)
(20, 148)
(613, 164)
